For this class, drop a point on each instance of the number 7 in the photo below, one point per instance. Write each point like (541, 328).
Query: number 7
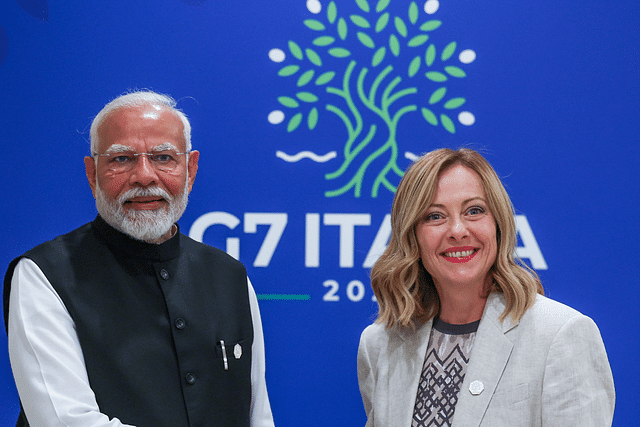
(277, 223)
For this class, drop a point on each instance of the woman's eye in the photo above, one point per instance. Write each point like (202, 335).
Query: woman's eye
(475, 211)
(434, 216)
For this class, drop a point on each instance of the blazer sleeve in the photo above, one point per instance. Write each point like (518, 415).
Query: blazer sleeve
(578, 385)
(366, 373)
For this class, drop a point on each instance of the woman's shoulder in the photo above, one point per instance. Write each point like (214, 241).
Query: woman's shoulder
(380, 336)
(375, 333)
(553, 316)
(552, 309)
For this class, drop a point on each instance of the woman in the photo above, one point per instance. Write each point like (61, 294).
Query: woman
(464, 335)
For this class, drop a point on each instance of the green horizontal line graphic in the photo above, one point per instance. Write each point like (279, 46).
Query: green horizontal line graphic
(284, 297)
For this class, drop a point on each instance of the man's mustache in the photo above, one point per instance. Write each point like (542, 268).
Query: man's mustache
(144, 192)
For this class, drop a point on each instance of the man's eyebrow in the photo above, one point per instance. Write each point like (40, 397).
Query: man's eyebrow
(164, 147)
(118, 148)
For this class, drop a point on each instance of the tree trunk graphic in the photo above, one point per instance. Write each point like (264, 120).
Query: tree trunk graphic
(370, 154)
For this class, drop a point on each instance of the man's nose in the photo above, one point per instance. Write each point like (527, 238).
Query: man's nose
(143, 172)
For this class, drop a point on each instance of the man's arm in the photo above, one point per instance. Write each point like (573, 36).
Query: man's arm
(46, 358)
(260, 408)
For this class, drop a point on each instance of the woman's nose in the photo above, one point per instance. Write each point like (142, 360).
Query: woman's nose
(458, 229)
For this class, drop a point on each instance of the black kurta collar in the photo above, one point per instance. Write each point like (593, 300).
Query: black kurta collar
(122, 243)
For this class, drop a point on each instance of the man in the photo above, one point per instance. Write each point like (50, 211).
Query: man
(126, 321)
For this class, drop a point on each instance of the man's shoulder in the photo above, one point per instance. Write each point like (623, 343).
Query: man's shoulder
(71, 235)
(48, 248)
(195, 248)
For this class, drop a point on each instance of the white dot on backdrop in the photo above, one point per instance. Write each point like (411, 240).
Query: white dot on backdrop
(431, 6)
(314, 6)
(276, 55)
(466, 118)
(275, 117)
(467, 56)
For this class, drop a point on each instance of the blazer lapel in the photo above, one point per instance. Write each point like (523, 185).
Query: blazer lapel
(489, 356)
(404, 374)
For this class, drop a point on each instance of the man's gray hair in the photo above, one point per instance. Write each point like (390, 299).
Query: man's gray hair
(134, 99)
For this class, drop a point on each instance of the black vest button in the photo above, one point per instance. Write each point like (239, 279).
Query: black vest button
(191, 378)
(164, 274)
(180, 323)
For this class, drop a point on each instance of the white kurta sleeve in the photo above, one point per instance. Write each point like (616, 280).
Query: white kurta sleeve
(260, 408)
(46, 358)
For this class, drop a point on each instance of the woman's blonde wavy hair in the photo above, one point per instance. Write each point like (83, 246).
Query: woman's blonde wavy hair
(404, 289)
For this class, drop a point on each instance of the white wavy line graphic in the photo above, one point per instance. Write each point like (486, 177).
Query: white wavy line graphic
(409, 155)
(306, 155)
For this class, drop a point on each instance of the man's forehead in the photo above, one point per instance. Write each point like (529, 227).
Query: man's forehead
(147, 119)
(141, 113)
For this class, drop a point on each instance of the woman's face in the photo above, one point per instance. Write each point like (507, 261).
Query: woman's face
(457, 234)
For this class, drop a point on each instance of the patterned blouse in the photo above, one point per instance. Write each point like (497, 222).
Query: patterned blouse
(445, 366)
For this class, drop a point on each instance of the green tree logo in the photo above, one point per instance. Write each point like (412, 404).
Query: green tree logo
(352, 69)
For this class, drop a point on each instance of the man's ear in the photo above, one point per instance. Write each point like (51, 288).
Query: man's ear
(193, 167)
(90, 168)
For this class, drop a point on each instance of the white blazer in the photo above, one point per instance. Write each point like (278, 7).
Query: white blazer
(549, 369)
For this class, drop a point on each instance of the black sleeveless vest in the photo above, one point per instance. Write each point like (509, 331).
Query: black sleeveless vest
(151, 320)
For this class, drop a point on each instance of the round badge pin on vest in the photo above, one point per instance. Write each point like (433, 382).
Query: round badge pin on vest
(237, 351)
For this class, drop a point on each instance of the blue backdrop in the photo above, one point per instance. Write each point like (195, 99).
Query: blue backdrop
(305, 113)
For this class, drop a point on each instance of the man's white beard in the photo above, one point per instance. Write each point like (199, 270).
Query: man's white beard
(147, 225)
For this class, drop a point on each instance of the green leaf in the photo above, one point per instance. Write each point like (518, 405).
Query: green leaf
(454, 103)
(394, 45)
(430, 55)
(418, 40)
(323, 41)
(342, 28)
(429, 116)
(382, 5)
(295, 49)
(325, 78)
(313, 57)
(360, 21)
(382, 22)
(448, 51)
(414, 66)
(437, 77)
(437, 95)
(413, 12)
(289, 70)
(307, 97)
(430, 25)
(400, 26)
(314, 24)
(312, 120)
(455, 71)
(447, 123)
(332, 12)
(366, 40)
(288, 102)
(294, 122)
(378, 57)
(339, 52)
(305, 78)
(363, 4)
